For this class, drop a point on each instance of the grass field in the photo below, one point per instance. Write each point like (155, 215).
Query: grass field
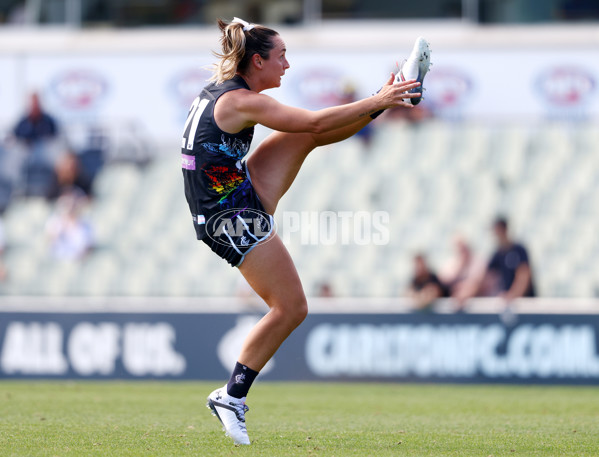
(298, 419)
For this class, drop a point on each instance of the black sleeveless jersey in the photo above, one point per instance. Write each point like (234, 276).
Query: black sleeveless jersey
(211, 158)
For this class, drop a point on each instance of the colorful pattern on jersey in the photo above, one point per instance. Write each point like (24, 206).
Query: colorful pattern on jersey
(214, 175)
(232, 147)
(223, 180)
(241, 197)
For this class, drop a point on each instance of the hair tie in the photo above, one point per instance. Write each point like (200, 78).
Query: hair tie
(246, 25)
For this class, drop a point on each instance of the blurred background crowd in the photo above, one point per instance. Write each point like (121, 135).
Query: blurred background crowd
(502, 203)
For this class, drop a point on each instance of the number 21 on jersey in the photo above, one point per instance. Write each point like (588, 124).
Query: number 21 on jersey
(193, 120)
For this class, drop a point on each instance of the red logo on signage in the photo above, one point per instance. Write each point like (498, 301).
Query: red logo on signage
(321, 87)
(189, 83)
(446, 87)
(566, 85)
(80, 89)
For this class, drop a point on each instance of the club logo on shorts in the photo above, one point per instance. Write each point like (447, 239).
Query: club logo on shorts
(243, 227)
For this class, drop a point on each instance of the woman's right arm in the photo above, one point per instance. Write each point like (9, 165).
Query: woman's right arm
(246, 108)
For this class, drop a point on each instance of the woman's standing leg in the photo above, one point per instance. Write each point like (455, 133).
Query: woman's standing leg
(268, 268)
(270, 271)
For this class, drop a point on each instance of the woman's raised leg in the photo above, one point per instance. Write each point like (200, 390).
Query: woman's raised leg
(275, 163)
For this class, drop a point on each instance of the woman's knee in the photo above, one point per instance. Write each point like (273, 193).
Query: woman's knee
(301, 310)
(293, 310)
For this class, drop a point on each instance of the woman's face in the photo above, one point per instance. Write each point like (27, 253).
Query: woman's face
(277, 63)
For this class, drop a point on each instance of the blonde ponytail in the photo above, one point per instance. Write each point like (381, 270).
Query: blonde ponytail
(238, 47)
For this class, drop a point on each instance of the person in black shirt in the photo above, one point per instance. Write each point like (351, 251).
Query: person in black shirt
(425, 286)
(509, 266)
(232, 200)
(31, 164)
(36, 125)
(508, 273)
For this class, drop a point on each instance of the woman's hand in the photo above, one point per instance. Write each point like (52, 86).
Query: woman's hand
(395, 93)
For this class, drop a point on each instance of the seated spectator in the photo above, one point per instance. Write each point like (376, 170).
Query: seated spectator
(36, 125)
(70, 235)
(324, 289)
(510, 265)
(463, 272)
(41, 179)
(32, 152)
(69, 175)
(425, 286)
(349, 95)
(508, 273)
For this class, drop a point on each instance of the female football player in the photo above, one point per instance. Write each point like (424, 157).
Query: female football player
(232, 200)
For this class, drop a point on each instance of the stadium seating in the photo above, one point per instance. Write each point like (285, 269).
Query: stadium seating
(435, 179)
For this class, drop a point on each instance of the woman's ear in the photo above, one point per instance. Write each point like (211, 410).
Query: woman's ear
(257, 60)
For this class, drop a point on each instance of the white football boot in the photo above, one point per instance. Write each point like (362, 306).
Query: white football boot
(231, 412)
(416, 67)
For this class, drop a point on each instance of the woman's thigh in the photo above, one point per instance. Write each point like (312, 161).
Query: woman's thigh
(275, 163)
(270, 271)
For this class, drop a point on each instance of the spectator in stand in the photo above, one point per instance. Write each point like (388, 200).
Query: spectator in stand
(70, 235)
(36, 125)
(508, 273)
(69, 175)
(511, 265)
(33, 157)
(464, 272)
(349, 95)
(425, 286)
(325, 290)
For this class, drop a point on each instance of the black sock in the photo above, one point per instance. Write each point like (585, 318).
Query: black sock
(241, 381)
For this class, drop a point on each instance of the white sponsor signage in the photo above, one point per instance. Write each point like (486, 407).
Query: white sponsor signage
(36, 348)
(148, 95)
(367, 350)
